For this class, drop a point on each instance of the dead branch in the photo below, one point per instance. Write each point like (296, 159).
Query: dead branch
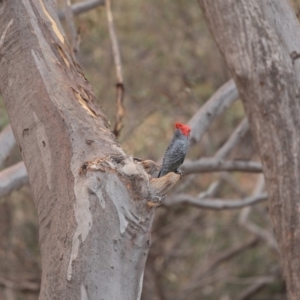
(204, 165)
(117, 59)
(13, 178)
(215, 204)
(82, 7)
(7, 143)
(234, 139)
(214, 106)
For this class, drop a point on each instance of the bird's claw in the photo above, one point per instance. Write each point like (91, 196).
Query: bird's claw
(179, 172)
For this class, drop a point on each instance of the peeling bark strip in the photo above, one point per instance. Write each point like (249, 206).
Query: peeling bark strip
(93, 201)
(258, 57)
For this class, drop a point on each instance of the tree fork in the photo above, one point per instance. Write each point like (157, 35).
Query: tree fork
(266, 78)
(94, 202)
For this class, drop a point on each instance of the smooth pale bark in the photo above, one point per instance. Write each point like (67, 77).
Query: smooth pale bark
(266, 78)
(91, 198)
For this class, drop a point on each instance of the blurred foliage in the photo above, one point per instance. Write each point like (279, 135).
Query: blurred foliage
(3, 114)
(171, 66)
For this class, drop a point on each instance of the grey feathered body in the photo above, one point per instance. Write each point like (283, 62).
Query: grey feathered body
(175, 153)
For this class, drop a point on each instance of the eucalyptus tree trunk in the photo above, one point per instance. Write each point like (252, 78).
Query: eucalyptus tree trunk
(93, 200)
(262, 57)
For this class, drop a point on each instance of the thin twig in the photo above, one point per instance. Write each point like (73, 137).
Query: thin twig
(204, 165)
(117, 59)
(82, 7)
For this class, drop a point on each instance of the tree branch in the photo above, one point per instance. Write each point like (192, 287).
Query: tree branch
(214, 165)
(7, 143)
(13, 178)
(213, 107)
(260, 232)
(263, 234)
(81, 7)
(24, 286)
(234, 139)
(224, 151)
(216, 204)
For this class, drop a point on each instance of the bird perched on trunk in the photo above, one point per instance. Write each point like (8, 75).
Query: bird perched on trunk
(176, 151)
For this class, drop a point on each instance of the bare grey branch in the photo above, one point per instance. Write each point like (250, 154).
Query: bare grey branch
(234, 139)
(216, 204)
(215, 106)
(7, 143)
(13, 178)
(81, 7)
(204, 165)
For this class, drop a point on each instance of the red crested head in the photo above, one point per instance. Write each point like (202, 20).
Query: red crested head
(185, 129)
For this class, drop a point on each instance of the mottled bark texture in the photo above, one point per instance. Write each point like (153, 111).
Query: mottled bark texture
(266, 78)
(92, 199)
